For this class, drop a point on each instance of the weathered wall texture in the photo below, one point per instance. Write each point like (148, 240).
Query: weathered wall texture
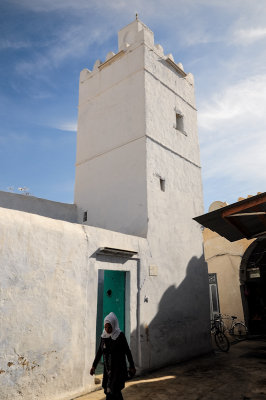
(48, 311)
(49, 304)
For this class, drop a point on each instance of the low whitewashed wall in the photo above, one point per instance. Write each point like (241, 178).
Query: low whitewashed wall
(36, 205)
(48, 304)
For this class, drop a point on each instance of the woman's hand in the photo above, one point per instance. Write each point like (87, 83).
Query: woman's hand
(92, 371)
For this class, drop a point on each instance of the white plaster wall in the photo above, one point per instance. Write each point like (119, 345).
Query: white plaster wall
(115, 194)
(177, 314)
(135, 32)
(111, 106)
(166, 91)
(48, 304)
(175, 321)
(111, 169)
(135, 93)
(35, 205)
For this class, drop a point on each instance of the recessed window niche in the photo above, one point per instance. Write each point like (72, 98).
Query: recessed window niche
(162, 184)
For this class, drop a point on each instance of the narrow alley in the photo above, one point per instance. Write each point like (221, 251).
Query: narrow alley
(239, 374)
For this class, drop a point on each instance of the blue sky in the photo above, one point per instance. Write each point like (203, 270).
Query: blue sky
(44, 44)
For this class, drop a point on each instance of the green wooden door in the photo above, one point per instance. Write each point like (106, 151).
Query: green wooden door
(114, 295)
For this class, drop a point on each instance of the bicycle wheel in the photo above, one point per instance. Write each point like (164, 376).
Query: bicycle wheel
(240, 331)
(221, 341)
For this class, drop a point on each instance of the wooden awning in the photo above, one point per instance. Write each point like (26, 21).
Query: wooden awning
(244, 219)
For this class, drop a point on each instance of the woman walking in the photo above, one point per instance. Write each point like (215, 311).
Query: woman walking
(114, 349)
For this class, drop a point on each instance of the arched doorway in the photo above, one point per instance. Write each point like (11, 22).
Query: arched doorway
(253, 286)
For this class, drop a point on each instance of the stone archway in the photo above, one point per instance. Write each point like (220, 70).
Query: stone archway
(253, 286)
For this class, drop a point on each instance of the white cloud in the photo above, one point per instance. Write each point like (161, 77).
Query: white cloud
(67, 126)
(249, 36)
(72, 41)
(233, 137)
(197, 35)
(237, 159)
(242, 104)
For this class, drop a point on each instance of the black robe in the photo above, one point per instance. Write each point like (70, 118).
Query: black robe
(115, 351)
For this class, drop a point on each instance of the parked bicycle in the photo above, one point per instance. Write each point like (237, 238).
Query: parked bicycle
(219, 337)
(237, 328)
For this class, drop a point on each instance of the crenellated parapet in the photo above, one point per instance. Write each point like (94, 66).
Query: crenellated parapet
(130, 37)
(220, 204)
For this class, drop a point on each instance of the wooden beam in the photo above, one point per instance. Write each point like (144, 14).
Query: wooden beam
(241, 207)
(238, 225)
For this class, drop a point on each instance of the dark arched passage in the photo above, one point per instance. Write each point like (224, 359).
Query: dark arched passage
(253, 286)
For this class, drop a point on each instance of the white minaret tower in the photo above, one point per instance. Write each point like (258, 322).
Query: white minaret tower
(137, 166)
(138, 172)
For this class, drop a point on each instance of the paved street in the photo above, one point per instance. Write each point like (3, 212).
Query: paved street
(237, 375)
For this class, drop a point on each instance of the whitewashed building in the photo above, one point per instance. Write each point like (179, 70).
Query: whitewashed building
(127, 244)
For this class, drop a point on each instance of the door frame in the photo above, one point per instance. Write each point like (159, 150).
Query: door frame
(213, 283)
(116, 263)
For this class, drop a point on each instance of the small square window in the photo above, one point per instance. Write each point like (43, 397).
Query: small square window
(85, 216)
(162, 184)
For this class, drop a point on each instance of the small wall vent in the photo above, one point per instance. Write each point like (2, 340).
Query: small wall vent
(162, 184)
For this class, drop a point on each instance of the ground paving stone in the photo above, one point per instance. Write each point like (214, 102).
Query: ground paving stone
(239, 374)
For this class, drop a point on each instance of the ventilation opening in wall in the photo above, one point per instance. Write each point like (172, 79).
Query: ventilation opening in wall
(162, 184)
(85, 216)
(179, 125)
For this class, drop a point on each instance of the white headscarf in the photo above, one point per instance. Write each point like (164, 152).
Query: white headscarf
(111, 319)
